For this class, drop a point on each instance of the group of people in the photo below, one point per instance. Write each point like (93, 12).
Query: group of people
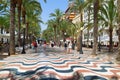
(41, 43)
(69, 46)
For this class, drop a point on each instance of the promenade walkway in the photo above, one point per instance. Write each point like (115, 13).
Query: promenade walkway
(55, 64)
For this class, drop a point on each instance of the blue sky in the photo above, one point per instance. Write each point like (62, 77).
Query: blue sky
(50, 7)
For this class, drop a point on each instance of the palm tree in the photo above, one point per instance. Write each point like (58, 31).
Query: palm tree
(95, 29)
(57, 15)
(28, 11)
(118, 8)
(109, 15)
(65, 28)
(19, 4)
(79, 5)
(52, 23)
(12, 27)
(12, 20)
(89, 10)
(31, 14)
(48, 34)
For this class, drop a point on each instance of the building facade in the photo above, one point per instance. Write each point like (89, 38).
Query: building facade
(103, 36)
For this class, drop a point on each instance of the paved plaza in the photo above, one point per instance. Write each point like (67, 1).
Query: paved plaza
(55, 64)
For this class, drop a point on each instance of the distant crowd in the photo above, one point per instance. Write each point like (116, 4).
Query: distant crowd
(68, 45)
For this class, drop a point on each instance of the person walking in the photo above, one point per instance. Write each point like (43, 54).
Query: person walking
(44, 45)
(69, 47)
(34, 43)
(65, 46)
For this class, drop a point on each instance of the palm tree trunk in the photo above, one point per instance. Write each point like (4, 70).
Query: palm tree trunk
(118, 5)
(19, 23)
(55, 34)
(79, 41)
(110, 36)
(88, 28)
(24, 19)
(23, 15)
(12, 27)
(87, 37)
(81, 51)
(95, 30)
(27, 26)
(118, 56)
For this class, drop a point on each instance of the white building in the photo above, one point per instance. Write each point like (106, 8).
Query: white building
(103, 36)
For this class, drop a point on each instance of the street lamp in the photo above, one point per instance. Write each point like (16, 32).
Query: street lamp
(23, 50)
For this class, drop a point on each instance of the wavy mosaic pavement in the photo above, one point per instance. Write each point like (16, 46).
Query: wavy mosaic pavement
(58, 66)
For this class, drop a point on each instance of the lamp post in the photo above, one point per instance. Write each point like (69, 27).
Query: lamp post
(23, 50)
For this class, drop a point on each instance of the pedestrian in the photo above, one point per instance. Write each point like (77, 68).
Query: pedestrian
(32, 44)
(35, 45)
(69, 47)
(73, 45)
(52, 44)
(44, 45)
(65, 46)
(40, 42)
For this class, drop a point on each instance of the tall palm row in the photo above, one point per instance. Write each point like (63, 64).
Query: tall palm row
(106, 16)
(97, 4)
(80, 6)
(31, 14)
(22, 7)
(63, 28)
